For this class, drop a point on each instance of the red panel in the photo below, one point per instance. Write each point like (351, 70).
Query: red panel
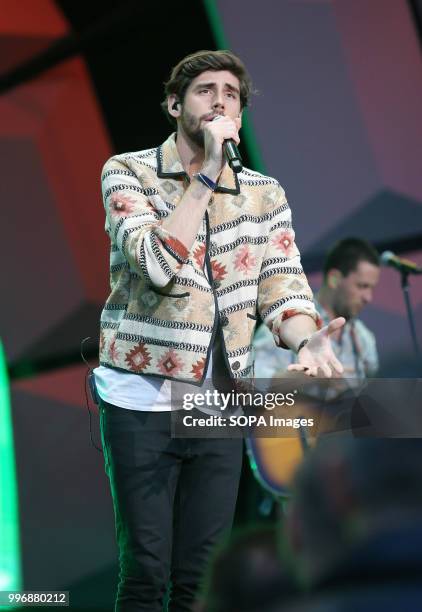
(32, 17)
(74, 146)
(56, 123)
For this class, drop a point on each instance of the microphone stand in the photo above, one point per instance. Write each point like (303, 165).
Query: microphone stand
(405, 286)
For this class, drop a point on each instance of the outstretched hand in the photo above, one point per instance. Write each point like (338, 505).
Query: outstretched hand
(318, 353)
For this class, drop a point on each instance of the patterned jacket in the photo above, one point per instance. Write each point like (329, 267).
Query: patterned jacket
(165, 303)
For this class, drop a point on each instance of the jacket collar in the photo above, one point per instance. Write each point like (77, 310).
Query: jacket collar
(169, 165)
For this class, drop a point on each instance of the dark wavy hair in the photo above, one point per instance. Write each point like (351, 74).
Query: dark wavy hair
(347, 253)
(192, 65)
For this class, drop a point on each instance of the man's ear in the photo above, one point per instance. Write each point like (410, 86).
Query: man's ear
(333, 278)
(173, 106)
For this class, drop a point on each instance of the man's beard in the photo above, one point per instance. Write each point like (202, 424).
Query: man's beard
(343, 310)
(191, 127)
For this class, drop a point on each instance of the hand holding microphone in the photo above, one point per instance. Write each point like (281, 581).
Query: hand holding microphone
(223, 138)
(231, 152)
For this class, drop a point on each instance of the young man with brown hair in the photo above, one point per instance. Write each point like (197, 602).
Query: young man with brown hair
(196, 252)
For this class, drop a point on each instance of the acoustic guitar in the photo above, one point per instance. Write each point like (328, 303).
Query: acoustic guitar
(275, 452)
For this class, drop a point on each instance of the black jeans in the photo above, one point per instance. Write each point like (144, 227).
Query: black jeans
(173, 499)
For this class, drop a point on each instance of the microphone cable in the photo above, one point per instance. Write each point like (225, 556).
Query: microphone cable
(89, 379)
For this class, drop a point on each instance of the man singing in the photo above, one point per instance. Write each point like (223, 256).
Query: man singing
(196, 252)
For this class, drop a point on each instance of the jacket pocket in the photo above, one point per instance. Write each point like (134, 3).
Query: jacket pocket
(171, 295)
(251, 325)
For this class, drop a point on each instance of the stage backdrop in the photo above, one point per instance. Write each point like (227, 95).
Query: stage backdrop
(338, 122)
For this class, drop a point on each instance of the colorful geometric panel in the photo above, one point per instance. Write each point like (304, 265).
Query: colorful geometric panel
(52, 144)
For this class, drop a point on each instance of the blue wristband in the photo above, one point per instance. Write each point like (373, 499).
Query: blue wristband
(205, 181)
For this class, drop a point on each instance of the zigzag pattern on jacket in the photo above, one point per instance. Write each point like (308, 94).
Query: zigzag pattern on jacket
(161, 314)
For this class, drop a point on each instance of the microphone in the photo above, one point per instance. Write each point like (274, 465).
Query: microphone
(231, 152)
(402, 265)
(232, 155)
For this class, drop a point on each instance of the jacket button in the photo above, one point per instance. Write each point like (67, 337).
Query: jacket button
(217, 284)
(213, 245)
(224, 321)
(236, 365)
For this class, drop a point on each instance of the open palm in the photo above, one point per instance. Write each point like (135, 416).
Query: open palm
(317, 356)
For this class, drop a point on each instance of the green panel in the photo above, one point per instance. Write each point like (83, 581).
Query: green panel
(10, 566)
(248, 134)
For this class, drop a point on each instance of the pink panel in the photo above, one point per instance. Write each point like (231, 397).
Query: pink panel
(385, 62)
(388, 295)
(65, 386)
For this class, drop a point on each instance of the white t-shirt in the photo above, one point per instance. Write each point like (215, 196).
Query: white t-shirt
(137, 392)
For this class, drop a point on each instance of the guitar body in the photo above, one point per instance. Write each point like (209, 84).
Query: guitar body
(274, 460)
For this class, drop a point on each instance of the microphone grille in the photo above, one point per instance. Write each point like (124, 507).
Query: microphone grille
(386, 257)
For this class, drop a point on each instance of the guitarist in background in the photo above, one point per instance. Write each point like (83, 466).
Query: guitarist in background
(351, 273)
